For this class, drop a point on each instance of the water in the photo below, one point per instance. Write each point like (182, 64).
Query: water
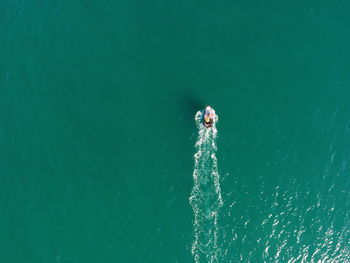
(97, 134)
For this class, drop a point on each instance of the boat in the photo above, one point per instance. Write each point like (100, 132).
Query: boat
(209, 117)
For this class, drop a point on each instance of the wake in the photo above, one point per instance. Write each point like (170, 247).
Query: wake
(205, 198)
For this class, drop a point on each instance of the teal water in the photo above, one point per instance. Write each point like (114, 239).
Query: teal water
(97, 135)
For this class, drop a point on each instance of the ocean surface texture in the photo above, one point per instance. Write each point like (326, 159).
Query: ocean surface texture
(99, 147)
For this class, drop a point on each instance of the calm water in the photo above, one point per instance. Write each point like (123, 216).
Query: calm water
(97, 129)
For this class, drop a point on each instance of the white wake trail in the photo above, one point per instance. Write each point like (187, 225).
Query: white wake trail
(206, 198)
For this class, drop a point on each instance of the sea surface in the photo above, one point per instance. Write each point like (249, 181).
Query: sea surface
(98, 142)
